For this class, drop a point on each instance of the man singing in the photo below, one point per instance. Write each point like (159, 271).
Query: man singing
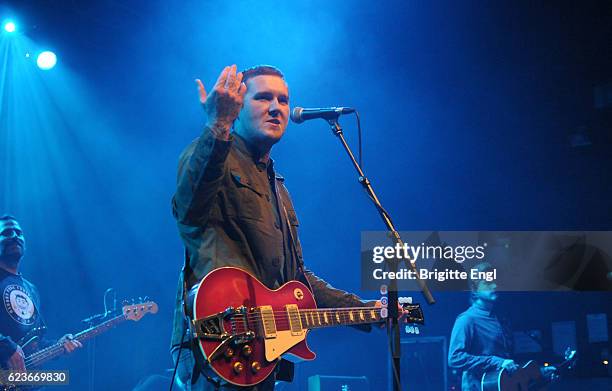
(232, 208)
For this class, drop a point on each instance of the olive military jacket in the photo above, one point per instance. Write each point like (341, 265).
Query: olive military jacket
(232, 210)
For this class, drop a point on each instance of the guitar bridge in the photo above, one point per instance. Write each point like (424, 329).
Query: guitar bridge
(212, 327)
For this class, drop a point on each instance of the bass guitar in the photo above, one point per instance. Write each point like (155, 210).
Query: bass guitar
(527, 378)
(133, 312)
(243, 328)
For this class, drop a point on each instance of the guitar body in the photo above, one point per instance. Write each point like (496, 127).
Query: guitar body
(527, 378)
(249, 363)
(242, 328)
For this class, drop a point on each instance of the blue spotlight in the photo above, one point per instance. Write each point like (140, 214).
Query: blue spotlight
(46, 60)
(10, 27)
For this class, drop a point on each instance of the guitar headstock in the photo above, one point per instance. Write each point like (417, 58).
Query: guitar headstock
(570, 358)
(137, 310)
(412, 313)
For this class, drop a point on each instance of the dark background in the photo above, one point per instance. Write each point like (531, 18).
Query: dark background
(476, 116)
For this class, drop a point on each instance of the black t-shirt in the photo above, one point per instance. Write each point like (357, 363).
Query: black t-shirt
(19, 312)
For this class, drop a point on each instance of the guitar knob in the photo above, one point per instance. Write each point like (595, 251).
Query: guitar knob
(255, 367)
(247, 350)
(229, 353)
(238, 367)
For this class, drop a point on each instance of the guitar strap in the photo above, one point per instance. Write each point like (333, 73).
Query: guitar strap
(285, 370)
(292, 239)
(199, 366)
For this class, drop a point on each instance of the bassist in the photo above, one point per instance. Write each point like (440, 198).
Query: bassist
(20, 313)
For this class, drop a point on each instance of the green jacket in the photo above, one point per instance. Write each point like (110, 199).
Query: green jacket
(230, 211)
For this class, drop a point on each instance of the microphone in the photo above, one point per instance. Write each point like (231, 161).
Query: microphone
(300, 114)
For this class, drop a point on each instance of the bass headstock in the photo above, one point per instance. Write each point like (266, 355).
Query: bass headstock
(136, 311)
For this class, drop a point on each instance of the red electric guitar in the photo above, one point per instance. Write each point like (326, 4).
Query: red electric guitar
(243, 328)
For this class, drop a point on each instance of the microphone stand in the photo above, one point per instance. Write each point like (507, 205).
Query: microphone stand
(392, 322)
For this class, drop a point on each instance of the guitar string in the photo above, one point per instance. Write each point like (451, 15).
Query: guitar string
(317, 310)
(53, 350)
(283, 318)
(331, 313)
(284, 315)
(283, 321)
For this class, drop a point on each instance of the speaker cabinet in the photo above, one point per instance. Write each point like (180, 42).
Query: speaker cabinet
(338, 383)
(423, 364)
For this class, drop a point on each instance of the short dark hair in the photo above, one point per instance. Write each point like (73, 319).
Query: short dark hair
(260, 70)
(7, 217)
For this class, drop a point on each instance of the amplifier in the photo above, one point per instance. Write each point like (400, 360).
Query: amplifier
(423, 364)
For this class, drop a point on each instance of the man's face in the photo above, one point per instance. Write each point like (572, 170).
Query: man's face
(12, 242)
(486, 290)
(265, 113)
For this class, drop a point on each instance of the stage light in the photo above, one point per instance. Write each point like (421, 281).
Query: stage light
(46, 60)
(10, 27)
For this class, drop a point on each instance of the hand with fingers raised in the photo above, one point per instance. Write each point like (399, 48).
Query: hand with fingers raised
(222, 105)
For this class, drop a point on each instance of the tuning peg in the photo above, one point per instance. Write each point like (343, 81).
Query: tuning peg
(411, 330)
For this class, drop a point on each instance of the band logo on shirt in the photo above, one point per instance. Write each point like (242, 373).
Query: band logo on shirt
(19, 304)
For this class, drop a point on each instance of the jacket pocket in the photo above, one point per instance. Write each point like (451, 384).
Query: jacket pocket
(245, 197)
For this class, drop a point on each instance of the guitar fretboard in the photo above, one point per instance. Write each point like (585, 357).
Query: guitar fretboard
(57, 349)
(328, 317)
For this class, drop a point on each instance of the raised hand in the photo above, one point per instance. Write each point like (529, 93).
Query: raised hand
(222, 105)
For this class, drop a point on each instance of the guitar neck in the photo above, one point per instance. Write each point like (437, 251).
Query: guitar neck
(330, 317)
(57, 349)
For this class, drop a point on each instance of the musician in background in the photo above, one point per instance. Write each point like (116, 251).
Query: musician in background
(480, 340)
(231, 206)
(21, 302)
